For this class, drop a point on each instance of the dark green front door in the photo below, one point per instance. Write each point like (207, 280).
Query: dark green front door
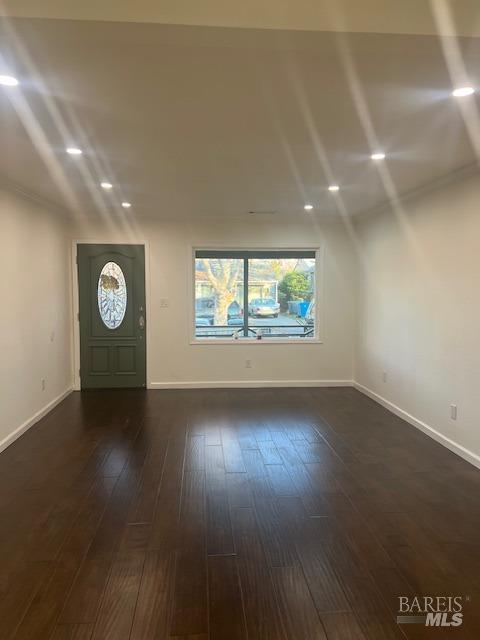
(111, 282)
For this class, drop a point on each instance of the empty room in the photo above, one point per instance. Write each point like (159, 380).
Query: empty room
(240, 320)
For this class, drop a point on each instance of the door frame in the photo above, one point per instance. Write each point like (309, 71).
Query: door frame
(75, 305)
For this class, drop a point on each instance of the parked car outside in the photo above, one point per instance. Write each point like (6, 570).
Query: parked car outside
(204, 310)
(263, 307)
(202, 322)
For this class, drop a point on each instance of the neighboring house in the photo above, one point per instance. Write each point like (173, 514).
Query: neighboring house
(257, 288)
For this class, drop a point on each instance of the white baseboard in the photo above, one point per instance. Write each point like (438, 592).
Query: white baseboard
(461, 451)
(34, 419)
(249, 384)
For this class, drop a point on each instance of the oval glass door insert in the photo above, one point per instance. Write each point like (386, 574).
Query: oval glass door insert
(112, 295)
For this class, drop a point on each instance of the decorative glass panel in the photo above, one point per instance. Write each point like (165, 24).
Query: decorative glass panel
(112, 295)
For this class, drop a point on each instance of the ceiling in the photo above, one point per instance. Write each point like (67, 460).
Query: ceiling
(192, 121)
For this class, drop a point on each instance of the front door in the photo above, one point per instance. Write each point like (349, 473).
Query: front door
(111, 282)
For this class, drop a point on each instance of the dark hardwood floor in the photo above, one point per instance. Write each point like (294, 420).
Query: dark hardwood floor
(267, 514)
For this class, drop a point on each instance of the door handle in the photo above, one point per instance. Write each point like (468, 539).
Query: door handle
(141, 322)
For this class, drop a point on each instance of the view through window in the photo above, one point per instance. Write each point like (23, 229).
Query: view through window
(255, 294)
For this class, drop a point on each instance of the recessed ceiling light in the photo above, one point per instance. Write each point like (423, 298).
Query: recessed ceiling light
(74, 151)
(378, 155)
(126, 205)
(308, 207)
(8, 81)
(106, 185)
(334, 187)
(463, 91)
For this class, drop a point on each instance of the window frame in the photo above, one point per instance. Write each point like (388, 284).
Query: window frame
(258, 252)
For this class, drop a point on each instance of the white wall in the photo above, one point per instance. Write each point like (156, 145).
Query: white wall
(419, 310)
(171, 357)
(35, 322)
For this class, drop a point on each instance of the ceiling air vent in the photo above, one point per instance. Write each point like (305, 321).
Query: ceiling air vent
(258, 212)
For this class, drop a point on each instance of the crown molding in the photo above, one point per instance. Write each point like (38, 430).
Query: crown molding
(409, 17)
(13, 187)
(457, 175)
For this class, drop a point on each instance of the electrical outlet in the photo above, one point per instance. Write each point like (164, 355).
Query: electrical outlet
(43, 384)
(384, 376)
(453, 411)
(164, 303)
(248, 364)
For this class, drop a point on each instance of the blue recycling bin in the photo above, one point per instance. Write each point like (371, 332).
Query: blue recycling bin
(302, 309)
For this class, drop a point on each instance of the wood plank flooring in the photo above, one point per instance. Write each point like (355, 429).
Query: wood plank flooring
(267, 514)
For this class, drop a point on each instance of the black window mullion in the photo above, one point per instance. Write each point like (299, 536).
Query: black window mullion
(245, 297)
